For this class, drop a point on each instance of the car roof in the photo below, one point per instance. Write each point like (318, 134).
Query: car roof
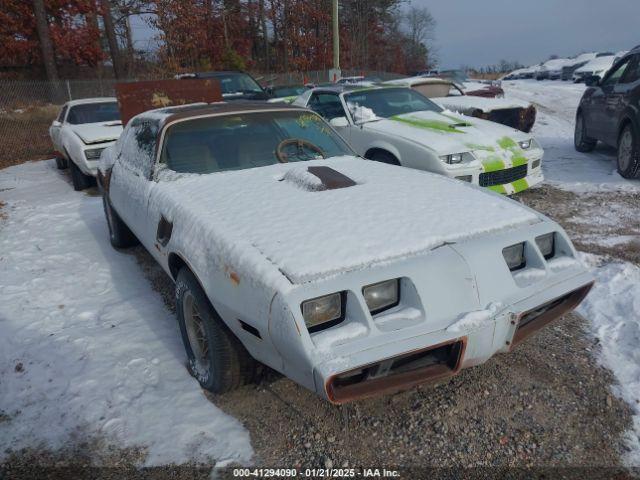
(84, 101)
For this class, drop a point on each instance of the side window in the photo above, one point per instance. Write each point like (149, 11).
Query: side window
(327, 105)
(615, 75)
(632, 74)
(138, 146)
(62, 114)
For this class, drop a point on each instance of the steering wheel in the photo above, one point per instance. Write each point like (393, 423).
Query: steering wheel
(296, 147)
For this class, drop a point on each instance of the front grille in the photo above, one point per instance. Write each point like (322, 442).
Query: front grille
(500, 177)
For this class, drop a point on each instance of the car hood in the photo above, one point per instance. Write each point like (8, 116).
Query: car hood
(98, 132)
(279, 219)
(448, 132)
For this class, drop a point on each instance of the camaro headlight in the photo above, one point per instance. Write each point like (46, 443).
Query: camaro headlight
(93, 154)
(453, 158)
(525, 144)
(319, 312)
(383, 295)
(546, 244)
(514, 256)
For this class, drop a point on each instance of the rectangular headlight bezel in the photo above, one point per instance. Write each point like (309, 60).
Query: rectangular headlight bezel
(548, 250)
(385, 305)
(93, 154)
(525, 144)
(339, 300)
(515, 261)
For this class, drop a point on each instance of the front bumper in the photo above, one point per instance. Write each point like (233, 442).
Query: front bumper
(437, 356)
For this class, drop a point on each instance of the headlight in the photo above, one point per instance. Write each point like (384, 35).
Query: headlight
(465, 178)
(525, 144)
(322, 312)
(546, 244)
(514, 256)
(93, 154)
(381, 296)
(455, 158)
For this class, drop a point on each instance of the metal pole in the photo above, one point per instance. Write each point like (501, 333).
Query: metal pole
(335, 74)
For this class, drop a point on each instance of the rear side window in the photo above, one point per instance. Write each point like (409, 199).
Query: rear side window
(328, 105)
(62, 114)
(138, 147)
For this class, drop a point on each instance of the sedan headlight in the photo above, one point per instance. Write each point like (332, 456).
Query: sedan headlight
(381, 296)
(322, 312)
(93, 154)
(525, 144)
(514, 256)
(546, 244)
(456, 158)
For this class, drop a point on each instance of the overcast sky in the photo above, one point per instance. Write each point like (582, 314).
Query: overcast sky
(482, 32)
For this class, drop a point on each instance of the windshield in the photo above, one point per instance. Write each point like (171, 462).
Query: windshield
(387, 102)
(93, 113)
(248, 140)
(288, 91)
(231, 83)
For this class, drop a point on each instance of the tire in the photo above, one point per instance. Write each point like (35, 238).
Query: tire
(581, 141)
(119, 234)
(79, 179)
(383, 157)
(628, 153)
(61, 163)
(216, 358)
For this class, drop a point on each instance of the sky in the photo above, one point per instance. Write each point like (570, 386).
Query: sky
(483, 32)
(477, 33)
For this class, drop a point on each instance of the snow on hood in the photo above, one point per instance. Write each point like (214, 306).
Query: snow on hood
(467, 103)
(261, 221)
(98, 132)
(447, 132)
(597, 64)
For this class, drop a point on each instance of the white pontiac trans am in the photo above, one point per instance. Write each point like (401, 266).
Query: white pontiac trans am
(82, 130)
(397, 125)
(352, 278)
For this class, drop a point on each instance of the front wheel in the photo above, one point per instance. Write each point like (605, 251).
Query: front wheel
(628, 153)
(80, 180)
(61, 163)
(119, 234)
(581, 141)
(216, 358)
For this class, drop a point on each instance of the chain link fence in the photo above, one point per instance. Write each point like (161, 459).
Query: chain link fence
(27, 108)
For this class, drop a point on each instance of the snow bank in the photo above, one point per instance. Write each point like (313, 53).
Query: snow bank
(86, 347)
(613, 308)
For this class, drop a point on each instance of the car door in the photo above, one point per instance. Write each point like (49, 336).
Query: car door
(605, 101)
(329, 106)
(622, 95)
(131, 179)
(56, 127)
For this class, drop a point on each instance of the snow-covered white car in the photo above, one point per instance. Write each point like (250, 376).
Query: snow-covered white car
(451, 96)
(82, 130)
(352, 278)
(597, 67)
(398, 125)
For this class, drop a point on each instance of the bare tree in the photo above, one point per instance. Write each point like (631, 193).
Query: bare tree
(420, 27)
(46, 46)
(112, 39)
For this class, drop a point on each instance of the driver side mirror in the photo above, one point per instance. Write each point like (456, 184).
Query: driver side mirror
(592, 81)
(339, 122)
(56, 123)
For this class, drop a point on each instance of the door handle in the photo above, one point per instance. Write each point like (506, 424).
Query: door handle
(165, 229)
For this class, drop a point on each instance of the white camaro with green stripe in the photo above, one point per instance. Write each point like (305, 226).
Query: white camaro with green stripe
(400, 126)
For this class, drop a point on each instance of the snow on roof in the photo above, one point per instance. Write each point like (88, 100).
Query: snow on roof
(600, 63)
(259, 221)
(82, 101)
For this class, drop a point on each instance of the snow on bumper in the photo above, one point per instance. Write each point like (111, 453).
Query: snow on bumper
(459, 306)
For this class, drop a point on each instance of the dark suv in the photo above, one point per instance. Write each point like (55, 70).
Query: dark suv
(609, 112)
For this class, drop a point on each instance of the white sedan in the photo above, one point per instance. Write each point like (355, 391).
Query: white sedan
(398, 125)
(82, 130)
(352, 278)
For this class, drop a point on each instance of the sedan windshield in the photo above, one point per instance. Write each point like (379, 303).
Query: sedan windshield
(248, 140)
(236, 83)
(93, 113)
(367, 105)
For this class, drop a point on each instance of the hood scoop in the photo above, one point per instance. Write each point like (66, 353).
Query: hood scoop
(317, 179)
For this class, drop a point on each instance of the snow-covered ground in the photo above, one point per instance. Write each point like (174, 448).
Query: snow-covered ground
(563, 167)
(87, 348)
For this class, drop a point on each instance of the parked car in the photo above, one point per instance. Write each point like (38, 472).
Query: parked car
(285, 93)
(609, 112)
(598, 66)
(398, 125)
(82, 130)
(552, 69)
(512, 113)
(235, 85)
(352, 278)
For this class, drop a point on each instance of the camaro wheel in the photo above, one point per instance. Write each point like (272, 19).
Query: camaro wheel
(383, 157)
(61, 163)
(628, 154)
(580, 139)
(119, 234)
(216, 358)
(79, 179)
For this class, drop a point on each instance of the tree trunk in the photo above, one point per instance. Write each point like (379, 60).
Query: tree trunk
(46, 47)
(265, 36)
(110, 31)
